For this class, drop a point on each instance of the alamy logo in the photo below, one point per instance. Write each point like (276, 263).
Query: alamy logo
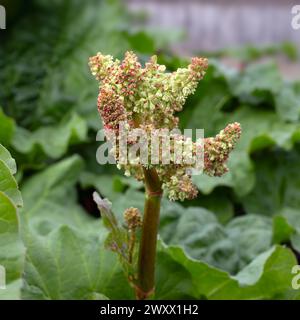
(2, 278)
(2, 17)
(296, 278)
(151, 147)
(296, 17)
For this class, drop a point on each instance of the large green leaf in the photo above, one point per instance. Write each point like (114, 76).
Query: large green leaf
(202, 237)
(278, 183)
(44, 59)
(68, 264)
(286, 227)
(64, 245)
(65, 257)
(197, 230)
(287, 102)
(11, 247)
(52, 140)
(251, 235)
(173, 281)
(8, 160)
(50, 198)
(8, 184)
(229, 247)
(258, 78)
(266, 277)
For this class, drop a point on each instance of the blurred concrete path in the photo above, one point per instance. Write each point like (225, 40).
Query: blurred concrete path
(213, 25)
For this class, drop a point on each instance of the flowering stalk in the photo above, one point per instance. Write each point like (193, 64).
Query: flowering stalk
(147, 99)
(146, 262)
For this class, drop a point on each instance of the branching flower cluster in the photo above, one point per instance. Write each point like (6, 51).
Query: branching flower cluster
(148, 98)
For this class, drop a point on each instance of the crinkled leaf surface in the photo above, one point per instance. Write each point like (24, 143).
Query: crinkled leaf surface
(201, 236)
(69, 264)
(278, 183)
(264, 278)
(229, 247)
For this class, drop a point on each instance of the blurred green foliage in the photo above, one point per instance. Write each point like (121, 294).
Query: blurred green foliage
(238, 240)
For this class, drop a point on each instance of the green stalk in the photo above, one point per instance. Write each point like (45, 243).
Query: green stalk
(147, 250)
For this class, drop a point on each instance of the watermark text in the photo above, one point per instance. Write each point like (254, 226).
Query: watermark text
(2, 18)
(151, 147)
(296, 278)
(296, 17)
(2, 277)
